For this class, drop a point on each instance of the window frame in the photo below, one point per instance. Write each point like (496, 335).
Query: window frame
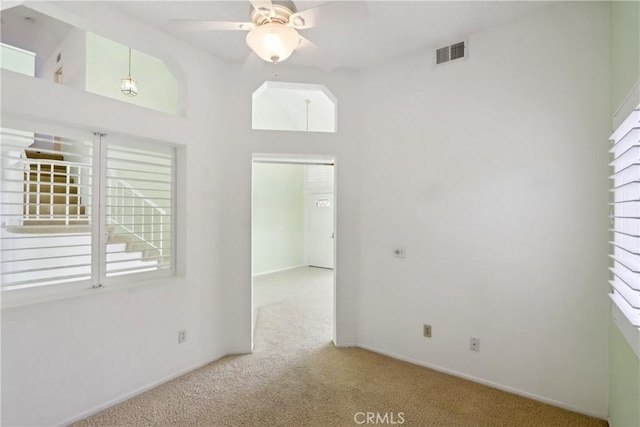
(99, 281)
(627, 116)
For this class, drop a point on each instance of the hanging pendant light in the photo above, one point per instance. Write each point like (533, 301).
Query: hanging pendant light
(128, 85)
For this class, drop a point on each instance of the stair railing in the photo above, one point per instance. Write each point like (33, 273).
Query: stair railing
(36, 171)
(136, 214)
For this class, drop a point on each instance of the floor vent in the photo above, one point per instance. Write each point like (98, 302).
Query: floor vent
(451, 53)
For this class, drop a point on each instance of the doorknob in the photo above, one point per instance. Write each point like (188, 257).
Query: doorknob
(332, 234)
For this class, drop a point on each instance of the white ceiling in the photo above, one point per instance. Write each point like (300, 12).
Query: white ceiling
(392, 28)
(30, 30)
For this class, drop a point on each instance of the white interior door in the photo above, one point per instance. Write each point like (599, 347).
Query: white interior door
(321, 231)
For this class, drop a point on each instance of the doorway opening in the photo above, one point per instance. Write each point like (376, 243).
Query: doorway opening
(293, 240)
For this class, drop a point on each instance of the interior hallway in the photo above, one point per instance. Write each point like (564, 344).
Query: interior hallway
(308, 287)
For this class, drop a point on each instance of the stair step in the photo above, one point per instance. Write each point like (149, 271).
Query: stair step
(152, 253)
(42, 227)
(118, 239)
(58, 199)
(54, 222)
(138, 246)
(57, 188)
(60, 210)
(116, 247)
(113, 268)
(124, 256)
(47, 168)
(42, 177)
(35, 154)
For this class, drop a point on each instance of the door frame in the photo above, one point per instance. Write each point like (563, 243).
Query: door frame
(301, 159)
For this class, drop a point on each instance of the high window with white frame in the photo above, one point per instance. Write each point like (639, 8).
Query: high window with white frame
(83, 211)
(298, 107)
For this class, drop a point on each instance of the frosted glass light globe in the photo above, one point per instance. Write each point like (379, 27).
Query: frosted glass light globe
(273, 42)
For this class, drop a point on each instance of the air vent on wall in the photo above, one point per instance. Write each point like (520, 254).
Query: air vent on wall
(451, 53)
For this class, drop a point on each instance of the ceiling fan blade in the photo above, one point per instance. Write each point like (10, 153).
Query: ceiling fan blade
(330, 13)
(309, 48)
(187, 25)
(263, 7)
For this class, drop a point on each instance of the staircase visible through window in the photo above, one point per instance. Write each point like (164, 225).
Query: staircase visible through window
(52, 230)
(139, 199)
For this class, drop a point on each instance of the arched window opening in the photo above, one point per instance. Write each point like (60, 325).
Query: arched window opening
(295, 107)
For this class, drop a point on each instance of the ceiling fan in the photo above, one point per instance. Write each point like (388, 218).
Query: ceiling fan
(273, 29)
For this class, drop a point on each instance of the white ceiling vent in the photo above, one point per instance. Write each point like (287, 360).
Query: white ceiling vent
(451, 53)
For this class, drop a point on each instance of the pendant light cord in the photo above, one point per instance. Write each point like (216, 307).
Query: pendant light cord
(129, 62)
(307, 101)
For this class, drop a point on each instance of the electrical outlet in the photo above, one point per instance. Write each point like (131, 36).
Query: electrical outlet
(400, 252)
(426, 331)
(182, 336)
(474, 344)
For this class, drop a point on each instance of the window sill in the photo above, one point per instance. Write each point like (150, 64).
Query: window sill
(26, 297)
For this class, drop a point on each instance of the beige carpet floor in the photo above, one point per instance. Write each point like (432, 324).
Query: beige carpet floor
(296, 377)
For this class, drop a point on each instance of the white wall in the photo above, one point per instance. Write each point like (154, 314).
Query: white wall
(236, 200)
(63, 358)
(278, 217)
(492, 171)
(73, 57)
(268, 113)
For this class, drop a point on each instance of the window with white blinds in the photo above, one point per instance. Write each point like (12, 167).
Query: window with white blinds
(47, 201)
(139, 209)
(82, 211)
(625, 283)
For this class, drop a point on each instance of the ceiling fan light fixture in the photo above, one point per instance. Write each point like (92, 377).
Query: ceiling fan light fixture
(273, 42)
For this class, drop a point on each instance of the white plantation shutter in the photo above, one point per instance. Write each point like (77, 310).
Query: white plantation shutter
(46, 224)
(626, 218)
(139, 209)
(82, 212)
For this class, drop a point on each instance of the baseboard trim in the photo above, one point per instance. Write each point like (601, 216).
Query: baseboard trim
(135, 392)
(438, 368)
(264, 273)
(347, 345)
(485, 382)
